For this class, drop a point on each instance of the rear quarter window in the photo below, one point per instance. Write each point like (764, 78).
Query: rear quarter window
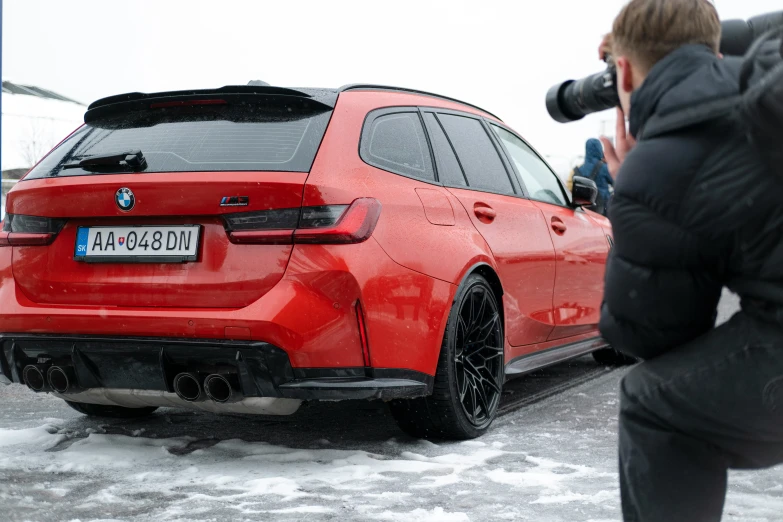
(395, 141)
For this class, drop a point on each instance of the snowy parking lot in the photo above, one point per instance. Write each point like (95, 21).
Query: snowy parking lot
(549, 457)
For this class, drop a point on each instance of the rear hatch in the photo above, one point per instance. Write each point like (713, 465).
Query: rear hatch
(158, 199)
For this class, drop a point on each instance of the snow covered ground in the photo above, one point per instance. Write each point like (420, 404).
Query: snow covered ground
(550, 457)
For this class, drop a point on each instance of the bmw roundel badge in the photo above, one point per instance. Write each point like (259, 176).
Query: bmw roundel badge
(125, 199)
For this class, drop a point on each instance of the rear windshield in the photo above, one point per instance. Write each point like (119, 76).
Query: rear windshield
(235, 137)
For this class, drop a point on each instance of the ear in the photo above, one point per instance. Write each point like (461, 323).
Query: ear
(624, 74)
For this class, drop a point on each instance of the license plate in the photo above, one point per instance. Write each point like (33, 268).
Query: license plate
(140, 244)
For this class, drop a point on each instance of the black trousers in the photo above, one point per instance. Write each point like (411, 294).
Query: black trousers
(689, 415)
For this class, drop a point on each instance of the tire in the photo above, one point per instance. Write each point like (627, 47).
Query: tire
(611, 357)
(117, 412)
(470, 372)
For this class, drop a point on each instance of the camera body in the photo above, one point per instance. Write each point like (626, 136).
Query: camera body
(573, 99)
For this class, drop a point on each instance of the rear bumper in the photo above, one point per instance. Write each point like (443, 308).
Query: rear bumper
(311, 313)
(262, 370)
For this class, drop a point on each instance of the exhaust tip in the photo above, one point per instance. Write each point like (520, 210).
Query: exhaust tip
(58, 379)
(33, 378)
(218, 388)
(187, 387)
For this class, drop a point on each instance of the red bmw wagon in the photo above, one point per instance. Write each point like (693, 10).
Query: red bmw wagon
(247, 248)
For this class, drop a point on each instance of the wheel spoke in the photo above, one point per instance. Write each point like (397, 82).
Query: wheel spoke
(462, 382)
(470, 368)
(492, 349)
(471, 318)
(487, 326)
(473, 406)
(482, 375)
(489, 354)
(492, 384)
(482, 396)
(475, 373)
(480, 312)
(461, 326)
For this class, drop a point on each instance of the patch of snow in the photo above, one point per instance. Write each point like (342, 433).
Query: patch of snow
(241, 473)
(302, 509)
(422, 515)
(563, 498)
(41, 436)
(389, 494)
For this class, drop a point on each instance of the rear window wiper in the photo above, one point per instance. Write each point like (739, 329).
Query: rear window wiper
(132, 159)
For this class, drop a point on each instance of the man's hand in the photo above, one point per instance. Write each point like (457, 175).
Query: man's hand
(615, 153)
(605, 48)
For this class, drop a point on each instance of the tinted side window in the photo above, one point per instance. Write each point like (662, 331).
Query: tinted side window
(477, 154)
(449, 170)
(541, 183)
(396, 142)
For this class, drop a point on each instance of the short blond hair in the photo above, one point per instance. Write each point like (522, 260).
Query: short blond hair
(646, 31)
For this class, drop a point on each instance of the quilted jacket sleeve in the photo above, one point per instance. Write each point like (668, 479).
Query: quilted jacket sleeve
(659, 290)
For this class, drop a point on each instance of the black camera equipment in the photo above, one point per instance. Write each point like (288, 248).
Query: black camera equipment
(573, 99)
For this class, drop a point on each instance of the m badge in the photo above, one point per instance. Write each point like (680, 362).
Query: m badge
(234, 201)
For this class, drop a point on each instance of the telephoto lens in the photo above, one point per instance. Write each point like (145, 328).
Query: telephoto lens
(573, 99)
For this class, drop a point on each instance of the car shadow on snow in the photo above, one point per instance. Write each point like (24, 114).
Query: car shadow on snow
(366, 425)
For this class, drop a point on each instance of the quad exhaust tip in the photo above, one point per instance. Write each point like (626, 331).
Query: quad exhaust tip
(60, 379)
(34, 377)
(219, 388)
(187, 386)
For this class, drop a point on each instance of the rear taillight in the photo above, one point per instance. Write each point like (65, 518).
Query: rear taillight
(354, 225)
(330, 224)
(21, 230)
(268, 227)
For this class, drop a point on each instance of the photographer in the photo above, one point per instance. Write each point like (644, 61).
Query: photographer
(695, 210)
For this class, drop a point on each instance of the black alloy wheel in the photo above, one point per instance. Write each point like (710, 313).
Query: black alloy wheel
(470, 373)
(478, 361)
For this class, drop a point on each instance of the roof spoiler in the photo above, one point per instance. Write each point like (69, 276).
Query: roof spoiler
(323, 99)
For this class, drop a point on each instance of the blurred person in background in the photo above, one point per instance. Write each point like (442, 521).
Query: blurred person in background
(596, 169)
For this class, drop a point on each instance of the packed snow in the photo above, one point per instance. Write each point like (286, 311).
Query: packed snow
(553, 460)
(550, 457)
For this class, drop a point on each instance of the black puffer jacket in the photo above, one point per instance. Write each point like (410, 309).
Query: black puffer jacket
(694, 210)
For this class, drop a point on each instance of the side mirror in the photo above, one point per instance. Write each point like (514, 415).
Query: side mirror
(584, 192)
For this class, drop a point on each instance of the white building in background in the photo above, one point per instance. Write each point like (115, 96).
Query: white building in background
(34, 120)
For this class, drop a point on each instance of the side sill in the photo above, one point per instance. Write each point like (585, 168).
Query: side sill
(530, 362)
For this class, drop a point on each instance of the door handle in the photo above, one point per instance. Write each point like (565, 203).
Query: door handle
(558, 226)
(485, 214)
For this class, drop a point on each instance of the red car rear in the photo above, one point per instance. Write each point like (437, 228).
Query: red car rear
(246, 248)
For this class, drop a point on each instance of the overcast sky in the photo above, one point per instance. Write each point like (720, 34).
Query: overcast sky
(500, 55)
